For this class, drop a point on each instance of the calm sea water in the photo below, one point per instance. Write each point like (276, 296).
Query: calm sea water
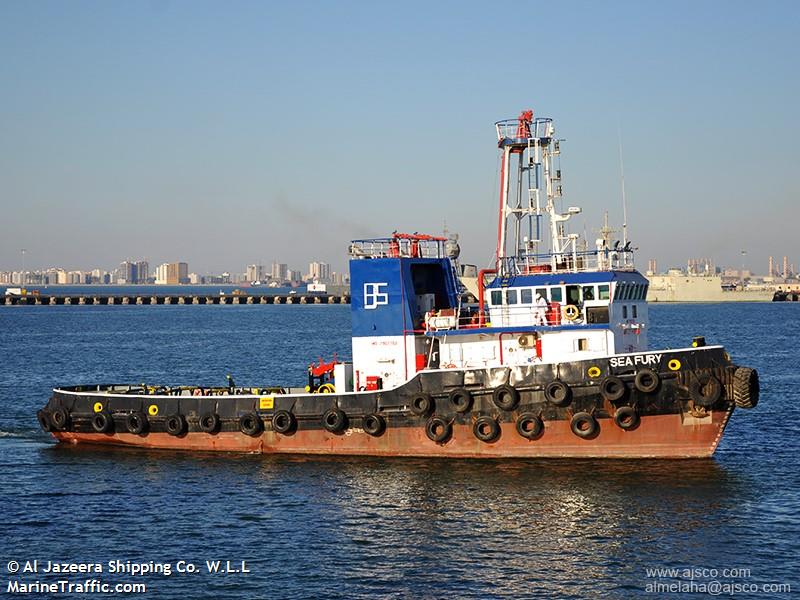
(349, 528)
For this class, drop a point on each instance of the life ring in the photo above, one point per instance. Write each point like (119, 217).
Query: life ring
(102, 422)
(250, 424)
(558, 393)
(646, 381)
(571, 312)
(152, 410)
(584, 425)
(197, 392)
(486, 429)
(209, 422)
(326, 388)
(334, 420)
(626, 418)
(284, 422)
(594, 372)
(460, 399)
(674, 364)
(505, 397)
(60, 418)
(438, 430)
(136, 423)
(612, 388)
(374, 425)
(421, 404)
(175, 424)
(44, 420)
(98, 407)
(705, 391)
(530, 426)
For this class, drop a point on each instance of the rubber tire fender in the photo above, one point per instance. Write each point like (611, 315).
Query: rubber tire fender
(175, 424)
(505, 397)
(103, 422)
(209, 422)
(284, 422)
(745, 387)
(421, 404)
(592, 426)
(558, 393)
(705, 391)
(334, 420)
(486, 429)
(612, 388)
(438, 430)
(374, 425)
(537, 426)
(44, 420)
(250, 424)
(59, 418)
(626, 418)
(136, 423)
(647, 381)
(460, 399)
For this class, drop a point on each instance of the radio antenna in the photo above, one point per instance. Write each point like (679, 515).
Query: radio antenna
(624, 200)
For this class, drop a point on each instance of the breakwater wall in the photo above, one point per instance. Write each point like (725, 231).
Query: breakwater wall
(150, 300)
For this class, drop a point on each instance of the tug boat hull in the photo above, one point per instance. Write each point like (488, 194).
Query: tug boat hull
(668, 416)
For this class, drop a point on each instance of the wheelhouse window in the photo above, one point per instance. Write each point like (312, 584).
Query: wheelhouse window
(624, 311)
(542, 292)
(526, 296)
(555, 294)
(573, 294)
(512, 296)
(497, 297)
(633, 308)
(588, 292)
(603, 292)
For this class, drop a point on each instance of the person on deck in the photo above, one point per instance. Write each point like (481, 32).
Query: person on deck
(540, 317)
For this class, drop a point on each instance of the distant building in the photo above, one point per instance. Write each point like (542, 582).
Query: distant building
(255, 273)
(161, 274)
(177, 273)
(195, 279)
(279, 271)
(319, 271)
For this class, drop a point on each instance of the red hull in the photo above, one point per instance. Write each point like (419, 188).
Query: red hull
(658, 436)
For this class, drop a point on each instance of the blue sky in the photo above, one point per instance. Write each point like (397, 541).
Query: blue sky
(234, 132)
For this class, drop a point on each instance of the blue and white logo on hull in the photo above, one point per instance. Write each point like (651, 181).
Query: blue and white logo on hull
(375, 295)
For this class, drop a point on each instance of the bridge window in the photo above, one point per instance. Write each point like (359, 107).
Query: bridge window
(555, 294)
(588, 292)
(497, 297)
(624, 311)
(573, 294)
(512, 296)
(542, 292)
(634, 311)
(526, 296)
(603, 292)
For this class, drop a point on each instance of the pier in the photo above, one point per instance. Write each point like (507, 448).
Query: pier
(163, 299)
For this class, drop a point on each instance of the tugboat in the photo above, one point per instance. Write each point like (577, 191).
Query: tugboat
(552, 361)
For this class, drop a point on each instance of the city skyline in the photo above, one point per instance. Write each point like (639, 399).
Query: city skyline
(129, 129)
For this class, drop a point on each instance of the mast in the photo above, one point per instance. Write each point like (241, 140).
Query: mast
(532, 141)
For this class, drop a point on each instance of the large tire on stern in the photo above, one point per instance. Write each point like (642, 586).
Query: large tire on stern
(745, 387)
